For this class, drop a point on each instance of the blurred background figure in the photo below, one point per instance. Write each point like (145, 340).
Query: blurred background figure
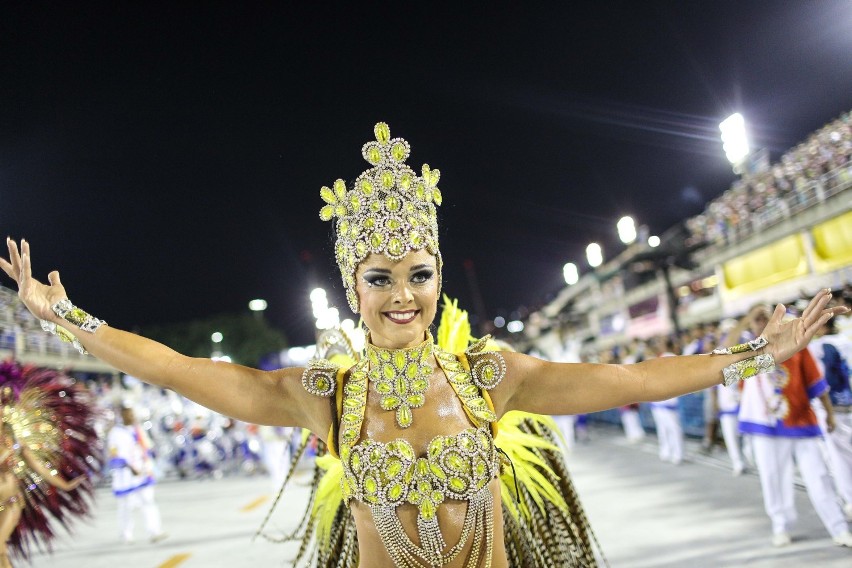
(276, 452)
(130, 459)
(775, 411)
(667, 413)
(833, 354)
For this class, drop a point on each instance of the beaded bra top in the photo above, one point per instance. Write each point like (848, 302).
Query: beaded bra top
(455, 467)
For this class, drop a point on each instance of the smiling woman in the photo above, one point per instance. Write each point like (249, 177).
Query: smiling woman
(412, 426)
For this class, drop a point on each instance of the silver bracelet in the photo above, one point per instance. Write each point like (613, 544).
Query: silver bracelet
(747, 368)
(757, 343)
(75, 316)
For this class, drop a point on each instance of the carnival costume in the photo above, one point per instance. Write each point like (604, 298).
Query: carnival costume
(391, 211)
(50, 415)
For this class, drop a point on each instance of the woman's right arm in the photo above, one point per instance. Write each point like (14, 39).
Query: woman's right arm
(274, 398)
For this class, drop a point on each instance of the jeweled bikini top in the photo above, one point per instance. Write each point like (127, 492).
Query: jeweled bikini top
(387, 475)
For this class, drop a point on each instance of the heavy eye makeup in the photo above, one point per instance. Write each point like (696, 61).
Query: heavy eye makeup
(379, 279)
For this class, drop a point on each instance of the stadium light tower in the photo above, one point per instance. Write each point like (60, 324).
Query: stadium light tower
(734, 141)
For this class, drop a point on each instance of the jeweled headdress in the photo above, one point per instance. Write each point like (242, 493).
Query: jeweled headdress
(390, 210)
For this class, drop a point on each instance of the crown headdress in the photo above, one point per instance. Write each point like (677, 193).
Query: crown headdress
(390, 210)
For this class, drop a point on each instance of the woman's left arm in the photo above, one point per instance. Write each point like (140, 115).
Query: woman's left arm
(51, 476)
(543, 387)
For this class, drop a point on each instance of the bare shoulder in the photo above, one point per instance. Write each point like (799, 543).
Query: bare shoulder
(518, 367)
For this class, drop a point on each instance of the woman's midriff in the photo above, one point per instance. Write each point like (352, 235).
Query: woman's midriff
(451, 516)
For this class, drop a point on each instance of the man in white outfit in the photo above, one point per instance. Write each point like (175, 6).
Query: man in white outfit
(833, 354)
(133, 477)
(775, 411)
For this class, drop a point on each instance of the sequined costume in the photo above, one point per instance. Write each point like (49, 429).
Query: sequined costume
(52, 417)
(544, 524)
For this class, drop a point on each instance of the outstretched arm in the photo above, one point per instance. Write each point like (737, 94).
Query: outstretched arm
(274, 398)
(539, 386)
(51, 475)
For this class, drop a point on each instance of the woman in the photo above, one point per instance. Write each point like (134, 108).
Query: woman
(409, 422)
(46, 433)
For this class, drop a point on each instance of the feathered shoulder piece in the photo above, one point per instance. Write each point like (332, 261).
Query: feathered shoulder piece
(48, 420)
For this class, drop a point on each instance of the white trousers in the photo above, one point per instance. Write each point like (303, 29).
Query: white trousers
(731, 435)
(775, 458)
(632, 425)
(276, 457)
(669, 433)
(566, 423)
(838, 447)
(139, 499)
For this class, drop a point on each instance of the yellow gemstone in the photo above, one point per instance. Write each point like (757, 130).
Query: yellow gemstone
(427, 509)
(355, 203)
(361, 248)
(327, 195)
(327, 212)
(376, 240)
(384, 387)
(400, 385)
(466, 443)
(422, 468)
(415, 239)
(393, 224)
(395, 247)
(323, 384)
(457, 484)
(415, 400)
(436, 196)
(420, 191)
(339, 210)
(339, 189)
(406, 451)
(375, 455)
(367, 187)
(394, 467)
(382, 132)
(370, 484)
(351, 403)
(388, 372)
(404, 416)
(411, 370)
(390, 402)
(395, 491)
(469, 390)
(435, 446)
(415, 497)
(392, 203)
(455, 461)
(398, 151)
(356, 463)
(374, 156)
(437, 496)
(351, 417)
(419, 385)
(370, 223)
(398, 359)
(405, 181)
(387, 179)
(437, 471)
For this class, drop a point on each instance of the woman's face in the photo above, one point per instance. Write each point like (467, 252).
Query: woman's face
(398, 299)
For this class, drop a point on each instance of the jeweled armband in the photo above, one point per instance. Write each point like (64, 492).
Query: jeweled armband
(748, 368)
(64, 335)
(77, 317)
(753, 345)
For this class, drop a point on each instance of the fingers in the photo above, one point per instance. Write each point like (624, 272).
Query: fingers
(26, 266)
(823, 296)
(14, 257)
(7, 268)
(779, 312)
(811, 329)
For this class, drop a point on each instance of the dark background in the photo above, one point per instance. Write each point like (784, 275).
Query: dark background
(167, 158)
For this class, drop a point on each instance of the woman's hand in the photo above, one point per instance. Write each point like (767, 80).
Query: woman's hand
(37, 297)
(787, 338)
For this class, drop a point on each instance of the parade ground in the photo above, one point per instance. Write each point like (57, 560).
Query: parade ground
(646, 514)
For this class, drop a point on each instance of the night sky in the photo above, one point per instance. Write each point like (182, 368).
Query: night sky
(167, 159)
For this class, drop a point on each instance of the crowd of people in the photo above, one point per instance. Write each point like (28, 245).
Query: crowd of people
(807, 174)
(798, 414)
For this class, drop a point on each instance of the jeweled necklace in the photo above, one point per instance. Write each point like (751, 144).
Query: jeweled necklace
(401, 377)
